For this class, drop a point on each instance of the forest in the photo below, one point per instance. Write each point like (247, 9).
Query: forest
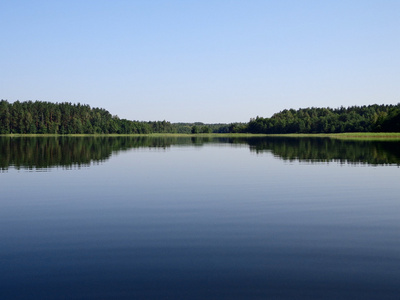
(371, 118)
(67, 118)
(40, 117)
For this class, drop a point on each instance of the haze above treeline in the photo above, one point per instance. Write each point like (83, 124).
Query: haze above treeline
(39, 117)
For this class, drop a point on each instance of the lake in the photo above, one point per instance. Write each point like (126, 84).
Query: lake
(199, 218)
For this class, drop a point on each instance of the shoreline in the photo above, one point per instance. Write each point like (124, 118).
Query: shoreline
(346, 135)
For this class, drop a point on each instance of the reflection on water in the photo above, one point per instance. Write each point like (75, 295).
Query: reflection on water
(327, 150)
(45, 152)
(198, 218)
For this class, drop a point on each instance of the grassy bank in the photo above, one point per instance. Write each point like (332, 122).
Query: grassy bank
(348, 135)
(392, 136)
(141, 135)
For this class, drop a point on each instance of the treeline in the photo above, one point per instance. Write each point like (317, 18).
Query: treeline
(66, 118)
(198, 127)
(372, 118)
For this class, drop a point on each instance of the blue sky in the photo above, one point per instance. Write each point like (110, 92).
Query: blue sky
(208, 61)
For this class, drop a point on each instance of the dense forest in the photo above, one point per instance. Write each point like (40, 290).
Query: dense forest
(372, 118)
(67, 118)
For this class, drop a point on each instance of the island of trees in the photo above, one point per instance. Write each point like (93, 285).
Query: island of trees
(40, 117)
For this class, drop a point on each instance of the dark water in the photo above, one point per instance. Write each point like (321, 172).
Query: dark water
(184, 218)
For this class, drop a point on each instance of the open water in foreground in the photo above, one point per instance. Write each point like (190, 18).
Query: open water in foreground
(185, 218)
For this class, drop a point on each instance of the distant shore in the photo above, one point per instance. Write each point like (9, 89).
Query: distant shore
(347, 135)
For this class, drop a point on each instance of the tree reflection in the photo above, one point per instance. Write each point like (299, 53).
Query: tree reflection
(67, 152)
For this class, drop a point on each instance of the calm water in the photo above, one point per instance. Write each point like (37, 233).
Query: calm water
(183, 218)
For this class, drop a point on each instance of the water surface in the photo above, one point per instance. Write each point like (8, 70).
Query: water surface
(197, 218)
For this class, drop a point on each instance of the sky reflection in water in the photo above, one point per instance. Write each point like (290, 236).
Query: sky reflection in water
(216, 220)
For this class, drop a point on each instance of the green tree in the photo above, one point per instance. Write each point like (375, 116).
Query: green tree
(195, 129)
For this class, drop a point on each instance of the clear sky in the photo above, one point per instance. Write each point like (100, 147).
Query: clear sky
(213, 61)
